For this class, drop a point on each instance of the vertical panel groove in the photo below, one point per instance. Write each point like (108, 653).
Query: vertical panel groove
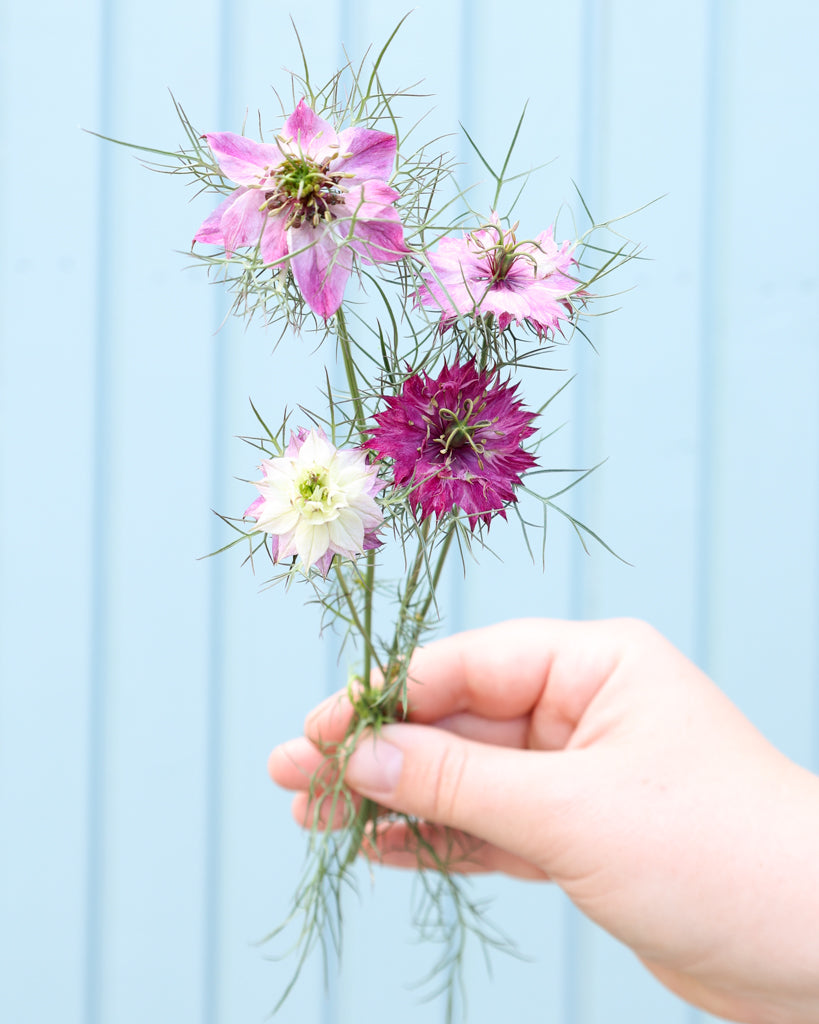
(592, 74)
(709, 352)
(99, 619)
(709, 355)
(215, 713)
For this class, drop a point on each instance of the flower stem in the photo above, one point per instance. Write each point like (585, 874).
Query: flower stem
(360, 419)
(363, 631)
(436, 575)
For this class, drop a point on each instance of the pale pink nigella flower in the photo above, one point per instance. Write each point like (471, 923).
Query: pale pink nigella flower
(456, 441)
(317, 501)
(314, 198)
(489, 271)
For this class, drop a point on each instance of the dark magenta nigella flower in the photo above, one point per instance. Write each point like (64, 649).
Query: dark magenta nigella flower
(489, 271)
(313, 199)
(455, 440)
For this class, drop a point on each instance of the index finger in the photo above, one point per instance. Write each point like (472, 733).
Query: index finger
(543, 668)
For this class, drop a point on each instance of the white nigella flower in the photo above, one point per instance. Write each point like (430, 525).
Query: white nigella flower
(317, 501)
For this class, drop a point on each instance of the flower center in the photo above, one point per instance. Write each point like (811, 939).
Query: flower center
(460, 428)
(304, 187)
(502, 256)
(299, 178)
(317, 499)
(501, 261)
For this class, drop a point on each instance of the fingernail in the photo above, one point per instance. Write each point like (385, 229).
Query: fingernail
(375, 767)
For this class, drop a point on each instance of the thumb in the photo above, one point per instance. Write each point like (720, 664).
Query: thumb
(519, 800)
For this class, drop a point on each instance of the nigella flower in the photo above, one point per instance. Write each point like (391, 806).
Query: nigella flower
(313, 199)
(489, 271)
(317, 501)
(456, 441)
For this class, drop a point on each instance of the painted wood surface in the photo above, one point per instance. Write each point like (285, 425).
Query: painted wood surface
(143, 851)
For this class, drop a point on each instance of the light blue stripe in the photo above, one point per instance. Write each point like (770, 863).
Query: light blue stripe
(470, 14)
(592, 62)
(710, 370)
(215, 701)
(348, 18)
(593, 57)
(709, 353)
(100, 591)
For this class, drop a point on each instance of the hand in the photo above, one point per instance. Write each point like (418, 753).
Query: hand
(596, 756)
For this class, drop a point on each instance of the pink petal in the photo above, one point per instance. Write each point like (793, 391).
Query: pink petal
(242, 222)
(274, 239)
(250, 511)
(241, 159)
(374, 230)
(308, 132)
(372, 154)
(211, 229)
(321, 266)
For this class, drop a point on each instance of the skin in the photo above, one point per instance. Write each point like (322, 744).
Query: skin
(595, 756)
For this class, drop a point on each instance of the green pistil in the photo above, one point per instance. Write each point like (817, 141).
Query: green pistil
(505, 257)
(314, 487)
(300, 179)
(460, 431)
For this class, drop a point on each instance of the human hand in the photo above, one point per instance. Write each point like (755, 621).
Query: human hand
(596, 756)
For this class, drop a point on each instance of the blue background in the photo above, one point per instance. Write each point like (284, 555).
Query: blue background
(142, 849)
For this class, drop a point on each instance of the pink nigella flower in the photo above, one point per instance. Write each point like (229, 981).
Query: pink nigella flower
(317, 501)
(315, 198)
(489, 271)
(456, 441)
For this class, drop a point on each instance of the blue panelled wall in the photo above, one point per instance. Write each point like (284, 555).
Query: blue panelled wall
(143, 851)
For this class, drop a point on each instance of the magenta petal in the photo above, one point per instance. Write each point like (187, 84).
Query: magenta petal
(241, 159)
(321, 267)
(372, 154)
(308, 131)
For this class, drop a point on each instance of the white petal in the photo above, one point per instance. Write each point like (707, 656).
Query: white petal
(312, 540)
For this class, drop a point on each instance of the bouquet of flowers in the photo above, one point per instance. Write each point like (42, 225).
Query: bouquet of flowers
(428, 442)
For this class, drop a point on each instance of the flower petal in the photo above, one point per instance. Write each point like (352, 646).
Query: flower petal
(211, 229)
(242, 221)
(372, 154)
(312, 540)
(309, 133)
(321, 265)
(374, 229)
(274, 238)
(241, 159)
(237, 221)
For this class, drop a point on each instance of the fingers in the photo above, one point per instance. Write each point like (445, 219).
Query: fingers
(508, 670)
(328, 722)
(539, 675)
(517, 800)
(292, 764)
(397, 845)
(332, 808)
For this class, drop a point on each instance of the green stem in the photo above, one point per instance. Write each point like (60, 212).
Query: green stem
(436, 576)
(360, 418)
(368, 645)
